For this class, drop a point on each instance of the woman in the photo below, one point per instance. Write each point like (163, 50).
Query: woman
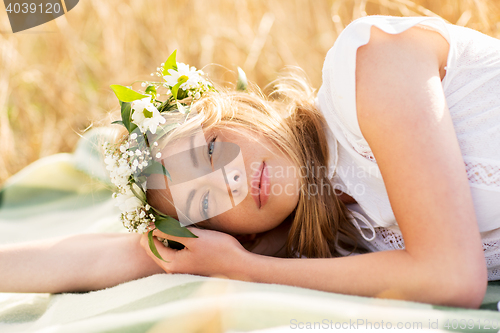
(397, 101)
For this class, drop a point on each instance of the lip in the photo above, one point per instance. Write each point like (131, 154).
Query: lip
(260, 186)
(265, 186)
(255, 185)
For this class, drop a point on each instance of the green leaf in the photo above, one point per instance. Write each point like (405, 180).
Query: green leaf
(125, 94)
(181, 94)
(165, 106)
(156, 167)
(171, 63)
(152, 246)
(171, 226)
(151, 90)
(175, 88)
(182, 109)
(139, 195)
(242, 83)
(118, 122)
(127, 117)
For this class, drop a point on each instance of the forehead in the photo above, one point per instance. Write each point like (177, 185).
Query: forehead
(176, 146)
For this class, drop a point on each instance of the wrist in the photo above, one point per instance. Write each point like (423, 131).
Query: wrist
(245, 265)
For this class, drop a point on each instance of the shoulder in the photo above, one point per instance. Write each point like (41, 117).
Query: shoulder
(389, 63)
(358, 32)
(338, 92)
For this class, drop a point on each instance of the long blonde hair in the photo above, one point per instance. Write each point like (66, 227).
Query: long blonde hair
(289, 119)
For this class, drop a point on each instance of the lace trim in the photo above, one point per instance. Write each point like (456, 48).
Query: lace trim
(391, 238)
(483, 174)
(478, 172)
(396, 242)
(491, 244)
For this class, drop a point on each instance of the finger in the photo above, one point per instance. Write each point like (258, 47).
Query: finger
(144, 240)
(166, 253)
(182, 240)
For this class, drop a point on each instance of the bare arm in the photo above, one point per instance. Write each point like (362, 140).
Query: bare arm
(75, 263)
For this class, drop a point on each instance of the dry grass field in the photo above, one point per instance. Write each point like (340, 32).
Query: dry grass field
(54, 79)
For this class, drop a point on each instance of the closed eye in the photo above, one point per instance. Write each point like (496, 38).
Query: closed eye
(211, 148)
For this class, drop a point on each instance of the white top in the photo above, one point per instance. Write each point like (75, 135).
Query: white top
(472, 91)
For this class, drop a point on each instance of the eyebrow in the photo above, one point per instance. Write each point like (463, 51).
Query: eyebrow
(188, 203)
(192, 152)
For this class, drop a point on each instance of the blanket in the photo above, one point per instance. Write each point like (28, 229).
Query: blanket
(65, 194)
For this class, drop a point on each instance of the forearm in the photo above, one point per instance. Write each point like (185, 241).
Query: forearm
(387, 274)
(76, 263)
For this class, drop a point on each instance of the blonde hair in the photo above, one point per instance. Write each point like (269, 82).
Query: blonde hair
(289, 119)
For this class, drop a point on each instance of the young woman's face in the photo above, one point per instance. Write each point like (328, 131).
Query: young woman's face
(272, 180)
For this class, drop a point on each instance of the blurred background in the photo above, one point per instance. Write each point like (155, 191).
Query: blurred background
(54, 79)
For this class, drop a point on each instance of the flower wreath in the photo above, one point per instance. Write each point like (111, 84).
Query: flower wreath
(131, 161)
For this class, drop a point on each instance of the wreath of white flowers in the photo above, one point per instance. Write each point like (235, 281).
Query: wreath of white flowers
(131, 162)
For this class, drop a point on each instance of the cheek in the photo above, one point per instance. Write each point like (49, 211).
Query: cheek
(286, 186)
(238, 220)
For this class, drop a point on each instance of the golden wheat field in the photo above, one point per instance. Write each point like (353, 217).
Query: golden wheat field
(54, 78)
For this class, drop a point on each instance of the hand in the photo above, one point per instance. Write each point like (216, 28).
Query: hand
(213, 253)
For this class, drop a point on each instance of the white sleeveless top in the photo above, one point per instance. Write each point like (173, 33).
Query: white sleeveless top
(472, 90)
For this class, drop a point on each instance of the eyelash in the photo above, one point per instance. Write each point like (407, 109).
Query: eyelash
(204, 201)
(211, 148)
(204, 206)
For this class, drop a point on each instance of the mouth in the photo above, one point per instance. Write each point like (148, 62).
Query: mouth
(261, 186)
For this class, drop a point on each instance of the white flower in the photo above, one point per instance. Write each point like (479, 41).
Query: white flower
(110, 161)
(183, 72)
(128, 202)
(142, 228)
(146, 115)
(135, 164)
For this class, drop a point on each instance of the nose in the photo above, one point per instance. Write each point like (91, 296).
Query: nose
(236, 182)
